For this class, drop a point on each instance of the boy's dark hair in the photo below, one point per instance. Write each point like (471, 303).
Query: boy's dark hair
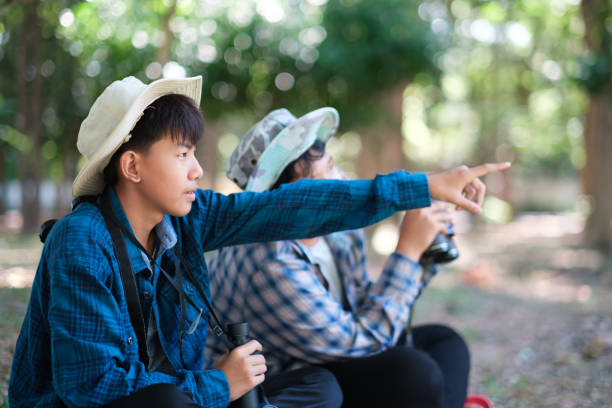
(175, 115)
(303, 163)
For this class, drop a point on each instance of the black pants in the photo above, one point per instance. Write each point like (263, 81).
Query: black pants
(156, 396)
(313, 387)
(307, 387)
(433, 373)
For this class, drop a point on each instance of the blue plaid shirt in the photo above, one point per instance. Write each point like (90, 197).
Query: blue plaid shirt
(77, 346)
(277, 287)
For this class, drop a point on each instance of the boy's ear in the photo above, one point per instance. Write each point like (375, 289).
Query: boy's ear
(128, 166)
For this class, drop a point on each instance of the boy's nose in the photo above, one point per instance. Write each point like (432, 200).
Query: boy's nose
(196, 172)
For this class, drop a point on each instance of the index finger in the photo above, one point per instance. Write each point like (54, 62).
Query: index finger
(250, 347)
(486, 168)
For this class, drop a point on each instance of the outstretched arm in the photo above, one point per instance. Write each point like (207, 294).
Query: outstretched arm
(303, 209)
(311, 208)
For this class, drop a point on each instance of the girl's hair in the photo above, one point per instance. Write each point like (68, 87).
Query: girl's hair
(171, 115)
(302, 166)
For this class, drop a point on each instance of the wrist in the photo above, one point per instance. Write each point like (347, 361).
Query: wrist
(432, 184)
(410, 252)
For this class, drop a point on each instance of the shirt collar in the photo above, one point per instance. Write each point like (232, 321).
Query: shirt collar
(303, 250)
(306, 251)
(338, 242)
(165, 237)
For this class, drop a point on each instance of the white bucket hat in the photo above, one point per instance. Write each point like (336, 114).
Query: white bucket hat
(111, 119)
(278, 139)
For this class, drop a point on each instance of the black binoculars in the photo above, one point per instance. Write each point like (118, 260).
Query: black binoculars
(239, 333)
(442, 249)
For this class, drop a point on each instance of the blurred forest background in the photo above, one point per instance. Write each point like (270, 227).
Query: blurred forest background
(419, 84)
(422, 85)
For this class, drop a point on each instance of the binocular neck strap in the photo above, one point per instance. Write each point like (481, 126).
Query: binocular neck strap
(113, 223)
(127, 279)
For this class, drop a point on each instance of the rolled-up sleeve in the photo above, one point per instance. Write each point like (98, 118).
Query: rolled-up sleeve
(301, 319)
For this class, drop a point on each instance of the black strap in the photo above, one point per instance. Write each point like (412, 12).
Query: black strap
(182, 296)
(115, 227)
(128, 279)
(216, 327)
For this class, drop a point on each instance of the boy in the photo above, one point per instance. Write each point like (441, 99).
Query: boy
(80, 344)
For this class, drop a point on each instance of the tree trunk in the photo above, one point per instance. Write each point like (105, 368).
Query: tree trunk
(598, 231)
(163, 53)
(598, 143)
(62, 205)
(208, 155)
(29, 95)
(381, 145)
(381, 151)
(2, 183)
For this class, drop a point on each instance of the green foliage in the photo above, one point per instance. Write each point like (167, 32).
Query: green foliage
(62, 106)
(486, 80)
(254, 56)
(508, 88)
(15, 139)
(371, 47)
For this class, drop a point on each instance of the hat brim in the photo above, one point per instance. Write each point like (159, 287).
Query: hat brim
(286, 147)
(90, 181)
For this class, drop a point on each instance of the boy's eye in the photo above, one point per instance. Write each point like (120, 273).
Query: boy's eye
(182, 155)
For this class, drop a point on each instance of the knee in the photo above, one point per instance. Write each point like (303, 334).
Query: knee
(460, 346)
(441, 333)
(446, 332)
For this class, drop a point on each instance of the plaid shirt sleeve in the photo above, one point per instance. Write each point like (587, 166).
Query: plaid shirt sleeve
(301, 319)
(94, 353)
(360, 282)
(305, 208)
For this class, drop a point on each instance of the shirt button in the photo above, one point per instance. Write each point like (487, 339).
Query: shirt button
(146, 295)
(130, 340)
(189, 287)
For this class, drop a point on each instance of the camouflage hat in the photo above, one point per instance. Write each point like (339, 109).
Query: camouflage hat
(274, 142)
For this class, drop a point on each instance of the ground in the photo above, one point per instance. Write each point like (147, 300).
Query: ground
(534, 305)
(536, 309)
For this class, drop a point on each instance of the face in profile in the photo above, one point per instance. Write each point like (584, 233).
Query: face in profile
(169, 176)
(321, 169)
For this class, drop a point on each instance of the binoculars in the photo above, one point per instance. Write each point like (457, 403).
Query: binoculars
(442, 249)
(238, 333)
